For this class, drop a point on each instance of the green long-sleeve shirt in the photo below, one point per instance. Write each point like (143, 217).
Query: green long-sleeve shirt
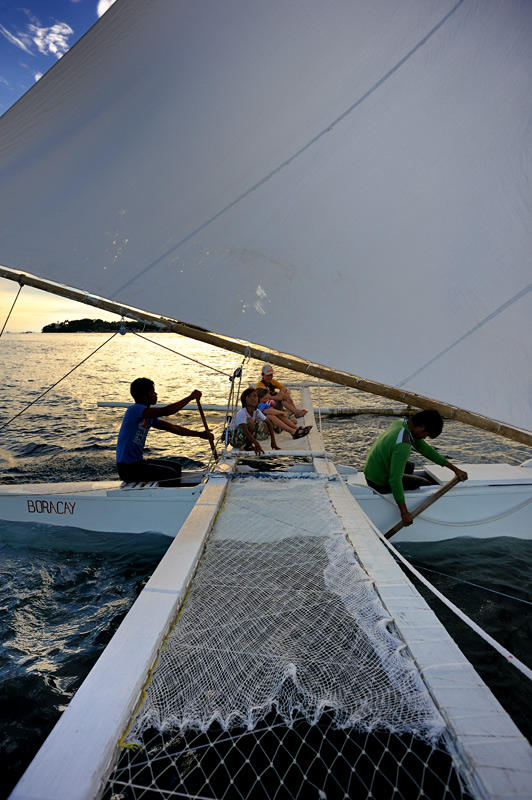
(387, 458)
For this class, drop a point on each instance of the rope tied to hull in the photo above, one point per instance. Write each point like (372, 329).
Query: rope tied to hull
(468, 523)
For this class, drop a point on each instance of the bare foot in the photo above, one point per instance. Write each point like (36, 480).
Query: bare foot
(301, 413)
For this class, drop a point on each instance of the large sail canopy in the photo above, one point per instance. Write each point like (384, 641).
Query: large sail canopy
(347, 181)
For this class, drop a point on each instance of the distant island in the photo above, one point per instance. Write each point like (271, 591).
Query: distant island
(98, 326)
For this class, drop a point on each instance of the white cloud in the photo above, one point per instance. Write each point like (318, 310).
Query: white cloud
(103, 5)
(48, 41)
(38, 76)
(18, 42)
(53, 40)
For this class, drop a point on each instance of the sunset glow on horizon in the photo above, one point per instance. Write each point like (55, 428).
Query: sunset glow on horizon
(34, 309)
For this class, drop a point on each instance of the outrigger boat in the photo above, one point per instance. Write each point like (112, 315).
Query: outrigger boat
(347, 183)
(495, 501)
(464, 740)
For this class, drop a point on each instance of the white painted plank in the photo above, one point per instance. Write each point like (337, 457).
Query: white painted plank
(450, 678)
(484, 474)
(77, 755)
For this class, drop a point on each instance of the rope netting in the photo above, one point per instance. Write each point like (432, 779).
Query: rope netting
(283, 676)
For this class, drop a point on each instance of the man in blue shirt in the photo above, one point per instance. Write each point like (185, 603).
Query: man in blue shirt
(138, 420)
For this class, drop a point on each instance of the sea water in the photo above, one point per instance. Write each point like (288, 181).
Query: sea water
(63, 592)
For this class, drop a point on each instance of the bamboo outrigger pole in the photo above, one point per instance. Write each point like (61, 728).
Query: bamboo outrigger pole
(280, 359)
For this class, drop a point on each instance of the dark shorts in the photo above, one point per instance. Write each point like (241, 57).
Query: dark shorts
(151, 469)
(410, 481)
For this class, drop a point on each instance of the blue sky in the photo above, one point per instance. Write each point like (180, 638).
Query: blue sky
(34, 34)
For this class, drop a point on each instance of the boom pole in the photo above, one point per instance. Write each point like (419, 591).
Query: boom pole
(280, 359)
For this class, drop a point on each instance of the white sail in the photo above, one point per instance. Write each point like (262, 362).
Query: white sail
(348, 182)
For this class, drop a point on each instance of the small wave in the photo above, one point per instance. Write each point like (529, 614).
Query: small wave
(24, 535)
(93, 446)
(64, 592)
(39, 449)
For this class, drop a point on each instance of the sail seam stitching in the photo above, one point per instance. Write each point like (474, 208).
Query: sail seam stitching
(291, 158)
(468, 333)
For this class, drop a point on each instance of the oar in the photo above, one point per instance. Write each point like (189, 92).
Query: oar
(213, 446)
(428, 502)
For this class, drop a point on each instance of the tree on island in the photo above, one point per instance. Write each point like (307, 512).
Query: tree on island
(97, 326)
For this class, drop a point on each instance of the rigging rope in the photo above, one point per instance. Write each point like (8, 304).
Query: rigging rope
(12, 307)
(201, 363)
(232, 399)
(468, 333)
(476, 585)
(292, 156)
(459, 613)
(319, 409)
(57, 382)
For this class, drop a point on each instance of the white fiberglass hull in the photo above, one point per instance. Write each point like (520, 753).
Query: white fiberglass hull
(495, 501)
(100, 506)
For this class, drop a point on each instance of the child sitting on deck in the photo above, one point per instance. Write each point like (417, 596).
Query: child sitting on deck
(250, 423)
(278, 417)
(279, 392)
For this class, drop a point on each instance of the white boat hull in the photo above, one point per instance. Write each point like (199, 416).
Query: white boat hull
(495, 501)
(100, 506)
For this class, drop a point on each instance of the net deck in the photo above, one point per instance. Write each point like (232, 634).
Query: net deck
(283, 676)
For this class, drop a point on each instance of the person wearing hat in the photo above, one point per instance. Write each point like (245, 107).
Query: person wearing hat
(280, 393)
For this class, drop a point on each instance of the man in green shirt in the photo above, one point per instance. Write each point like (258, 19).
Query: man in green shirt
(388, 458)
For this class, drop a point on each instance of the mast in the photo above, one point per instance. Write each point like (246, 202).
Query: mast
(280, 359)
